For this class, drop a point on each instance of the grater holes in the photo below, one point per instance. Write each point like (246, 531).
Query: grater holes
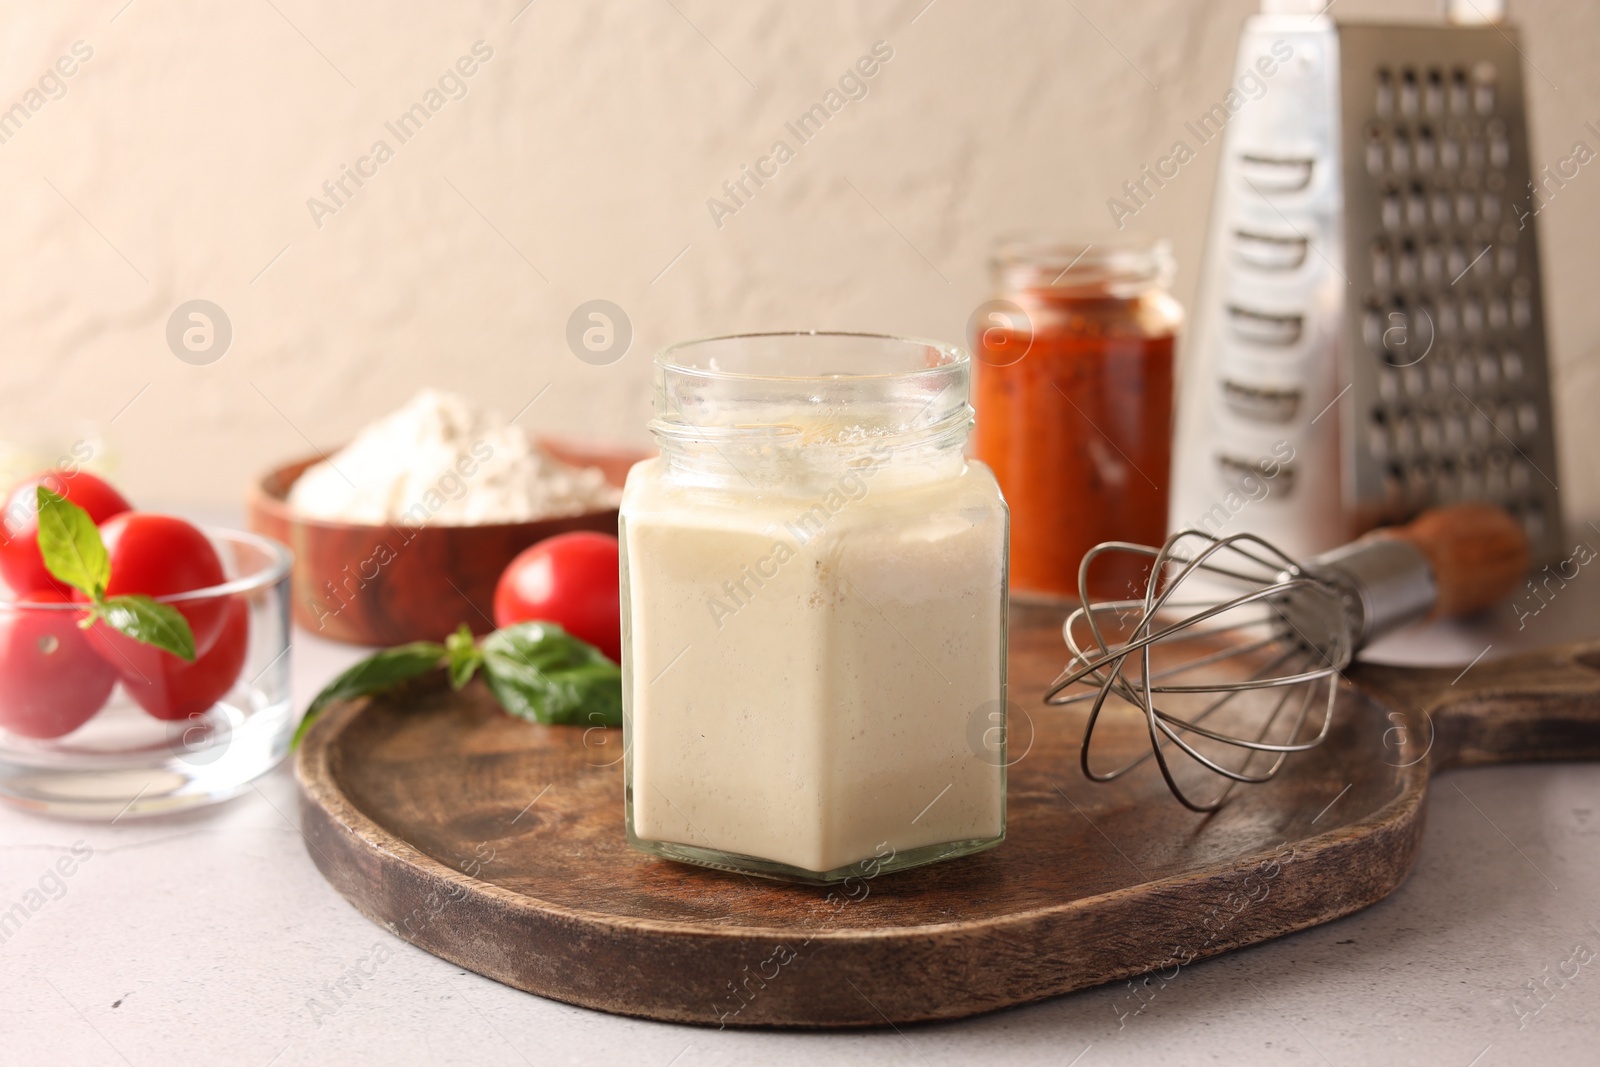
(1498, 314)
(1533, 521)
(1521, 312)
(1268, 251)
(1433, 264)
(1477, 153)
(1234, 468)
(1407, 267)
(1521, 475)
(1484, 78)
(1448, 487)
(1424, 149)
(1261, 403)
(1372, 324)
(1421, 476)
(1376, 149)
(1410, 93)
(1433, 93)
(1480, 430)
(1459, 93)
(1378, 436)
(1497, 477)
(1527, 418)
(1446, 170)
(1389, 207)
(1483, 260)
(1403, 432)
(1394, 482)
(1488, 371)
(1438, 377)
(1440, 202)
(1499, 144)
(1400, 151)
(1265, 327)
(1511, 365)
(1470, 476)
(1450, 152)
(1398, 333)
(1382, 265)
(1416, 206)
(1430, 433)
(1505, 260)
(1388, 384)
(1505, 422)
(1414, 381)
(1447, 320)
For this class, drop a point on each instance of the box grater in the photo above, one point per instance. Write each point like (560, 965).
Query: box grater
(1369, 336)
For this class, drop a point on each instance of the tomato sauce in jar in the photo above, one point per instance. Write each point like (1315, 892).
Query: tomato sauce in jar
(1074, 405)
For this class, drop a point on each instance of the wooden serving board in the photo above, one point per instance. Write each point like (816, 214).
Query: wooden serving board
(499, 846)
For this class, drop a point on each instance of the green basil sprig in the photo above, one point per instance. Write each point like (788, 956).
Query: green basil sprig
(540, 672)
(73, 553)
(536, 671)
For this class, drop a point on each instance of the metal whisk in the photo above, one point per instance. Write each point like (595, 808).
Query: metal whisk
(1243, 671)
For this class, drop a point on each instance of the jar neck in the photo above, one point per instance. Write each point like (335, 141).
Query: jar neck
(785, 464)
(798, 412)
(1046, 269)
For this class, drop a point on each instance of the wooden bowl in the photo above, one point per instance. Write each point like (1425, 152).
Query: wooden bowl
(385, 585)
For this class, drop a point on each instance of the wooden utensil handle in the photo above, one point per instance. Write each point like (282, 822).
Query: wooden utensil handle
(1478, 553)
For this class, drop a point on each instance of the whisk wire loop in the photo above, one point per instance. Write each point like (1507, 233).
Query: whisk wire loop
(1291, 660)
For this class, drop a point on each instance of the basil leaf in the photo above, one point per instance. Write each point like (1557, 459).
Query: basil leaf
(70, 543)
(374, 674)
(73, 553)
(540, 672)
(465, 658)
(143, 619)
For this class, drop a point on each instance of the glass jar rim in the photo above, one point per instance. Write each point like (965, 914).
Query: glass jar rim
(277, 560)
(1115, 262)
(821, 393)
(954, 356)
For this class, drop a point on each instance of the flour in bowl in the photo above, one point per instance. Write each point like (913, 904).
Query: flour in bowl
(443, 460)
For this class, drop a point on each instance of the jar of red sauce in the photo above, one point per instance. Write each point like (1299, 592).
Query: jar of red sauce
(1074, 404)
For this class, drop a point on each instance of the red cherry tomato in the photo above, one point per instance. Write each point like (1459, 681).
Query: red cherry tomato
(158, 555)
(175, 690)
(571, 580)
(20, 563)
(51, 681)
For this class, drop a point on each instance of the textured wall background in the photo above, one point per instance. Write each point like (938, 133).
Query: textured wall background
(178, 161)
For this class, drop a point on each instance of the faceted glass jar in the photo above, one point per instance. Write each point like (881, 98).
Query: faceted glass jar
(84, 737)
(814, 611)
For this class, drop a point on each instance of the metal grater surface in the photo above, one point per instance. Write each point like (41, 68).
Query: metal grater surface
(1450, 394)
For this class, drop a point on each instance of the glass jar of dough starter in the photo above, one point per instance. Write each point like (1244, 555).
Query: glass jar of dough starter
(814, 611)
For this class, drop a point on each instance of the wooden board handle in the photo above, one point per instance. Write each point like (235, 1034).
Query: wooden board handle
(1534, 706)
(1478, 552)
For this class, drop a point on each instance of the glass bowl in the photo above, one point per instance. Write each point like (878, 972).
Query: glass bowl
(194, 747)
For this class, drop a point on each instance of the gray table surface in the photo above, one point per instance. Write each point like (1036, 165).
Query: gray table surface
(210, 938)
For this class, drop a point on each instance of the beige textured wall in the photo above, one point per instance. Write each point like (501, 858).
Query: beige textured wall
(179, 160)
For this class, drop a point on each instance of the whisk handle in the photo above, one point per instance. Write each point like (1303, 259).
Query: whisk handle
(1477, 551)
